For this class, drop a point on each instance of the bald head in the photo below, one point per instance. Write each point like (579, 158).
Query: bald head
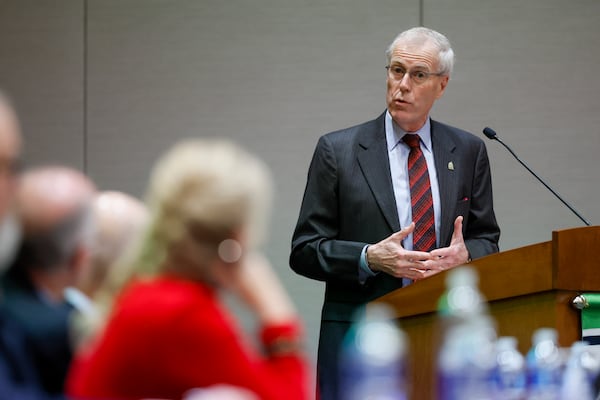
(48, 196)
(10, 151)
(53, 205)
(53, 208)
(119, 219)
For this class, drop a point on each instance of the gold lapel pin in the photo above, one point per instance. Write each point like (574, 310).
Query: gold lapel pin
(451, 166)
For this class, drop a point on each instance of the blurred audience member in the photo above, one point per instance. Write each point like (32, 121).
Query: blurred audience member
(18, 377)
(168, 331)
(52, 204)
(119, 220)
(10, 150)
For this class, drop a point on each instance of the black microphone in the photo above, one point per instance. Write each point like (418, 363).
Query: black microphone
(491, 134)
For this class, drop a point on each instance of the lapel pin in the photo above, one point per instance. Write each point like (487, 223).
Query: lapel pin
(451, 166)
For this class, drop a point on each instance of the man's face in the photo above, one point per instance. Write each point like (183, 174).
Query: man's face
(10, 147)
(409, 102)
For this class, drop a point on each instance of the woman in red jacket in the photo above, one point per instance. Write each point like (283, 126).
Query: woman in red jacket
(168, 332)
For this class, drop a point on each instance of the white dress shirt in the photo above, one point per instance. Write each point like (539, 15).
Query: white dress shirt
(398, 152)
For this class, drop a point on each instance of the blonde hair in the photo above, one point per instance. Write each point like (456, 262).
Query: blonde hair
(204, 189)
(201, 190)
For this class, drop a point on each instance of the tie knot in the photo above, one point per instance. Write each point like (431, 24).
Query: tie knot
(411, 140)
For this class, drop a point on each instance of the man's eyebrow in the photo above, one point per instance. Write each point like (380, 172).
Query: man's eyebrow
(418, 65)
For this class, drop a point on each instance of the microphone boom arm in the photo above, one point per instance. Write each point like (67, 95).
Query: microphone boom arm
(492, 135)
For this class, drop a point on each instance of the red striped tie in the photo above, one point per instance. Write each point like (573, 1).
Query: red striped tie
(420, 196)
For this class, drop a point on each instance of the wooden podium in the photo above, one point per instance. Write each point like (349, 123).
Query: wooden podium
(527, 288)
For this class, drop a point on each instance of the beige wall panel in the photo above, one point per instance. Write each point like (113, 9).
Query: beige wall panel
(41, 67)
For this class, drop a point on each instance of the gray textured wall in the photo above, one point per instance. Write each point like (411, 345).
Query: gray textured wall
(107, 85)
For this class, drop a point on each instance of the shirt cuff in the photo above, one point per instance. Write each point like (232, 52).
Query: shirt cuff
(364, 272)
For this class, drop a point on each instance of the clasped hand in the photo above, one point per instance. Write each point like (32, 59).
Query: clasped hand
(390, 257)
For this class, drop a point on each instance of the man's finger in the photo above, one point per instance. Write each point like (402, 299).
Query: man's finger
(441, 252)
(404, 232)
(431, 272)
(457, 236)
(416, 274)
(434, 265)
(417, 256)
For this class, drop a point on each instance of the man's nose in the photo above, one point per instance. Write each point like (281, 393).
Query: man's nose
(405, 83)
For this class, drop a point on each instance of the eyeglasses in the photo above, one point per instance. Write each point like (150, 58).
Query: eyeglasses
(418, 76)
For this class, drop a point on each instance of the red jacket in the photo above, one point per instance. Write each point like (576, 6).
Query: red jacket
(168, 335)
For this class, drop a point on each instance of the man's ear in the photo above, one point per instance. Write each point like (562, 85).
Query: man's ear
(442, 86)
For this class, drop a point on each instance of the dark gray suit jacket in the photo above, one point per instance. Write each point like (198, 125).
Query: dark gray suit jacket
(45, 327)
(349, 202)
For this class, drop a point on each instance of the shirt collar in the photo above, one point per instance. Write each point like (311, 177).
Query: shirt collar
(394, 134)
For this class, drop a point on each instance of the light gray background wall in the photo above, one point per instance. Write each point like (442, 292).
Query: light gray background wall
(107, 85)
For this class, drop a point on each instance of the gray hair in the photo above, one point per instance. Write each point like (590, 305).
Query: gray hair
(422, 35)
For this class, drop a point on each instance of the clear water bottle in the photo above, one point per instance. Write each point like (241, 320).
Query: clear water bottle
(466, 361)
(544, 366)
(372, 361)
(466, 358)
(510, 375)
(577, 383)
(462, 298)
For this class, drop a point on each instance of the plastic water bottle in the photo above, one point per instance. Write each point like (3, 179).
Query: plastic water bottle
(372, 361)
(466, 358)
(466, 361)
(576, 383)
(510, 375)
(544, 366)
(462, 298)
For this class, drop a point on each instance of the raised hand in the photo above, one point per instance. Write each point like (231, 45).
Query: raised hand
(451, 256)
(390, 257)
(257, 285)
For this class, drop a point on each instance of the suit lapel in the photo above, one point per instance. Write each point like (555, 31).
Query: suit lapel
(446, 164)
(374, 163)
